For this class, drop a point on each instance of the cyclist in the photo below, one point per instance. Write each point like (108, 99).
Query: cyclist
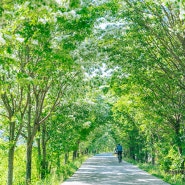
(119, 150)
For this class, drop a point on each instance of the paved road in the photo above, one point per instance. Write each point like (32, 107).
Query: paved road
(104, 169)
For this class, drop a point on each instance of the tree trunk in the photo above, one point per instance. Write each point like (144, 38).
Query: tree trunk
(11, 152)
(153, 156)
(132, 152)
(153, 160)
(10, 165)
(180, 148)
(10, 104)
(58, 162)
(75, 154)
(66, 157)
(29, 142)
(39, 156)
(28, 163)
(178, 141)
(44, 164)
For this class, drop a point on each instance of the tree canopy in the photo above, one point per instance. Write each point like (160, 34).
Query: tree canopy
(78, 77)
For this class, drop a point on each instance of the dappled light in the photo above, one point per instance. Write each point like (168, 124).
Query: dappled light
(77, 77)
(104, 169)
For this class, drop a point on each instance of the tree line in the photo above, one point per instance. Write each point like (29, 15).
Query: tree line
(150, 106)
(75, 74)
(43, 96)
(143, 43)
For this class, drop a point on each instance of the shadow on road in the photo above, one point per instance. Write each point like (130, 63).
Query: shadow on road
(104, 169)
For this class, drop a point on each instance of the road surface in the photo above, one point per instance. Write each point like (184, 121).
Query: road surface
(104, 169)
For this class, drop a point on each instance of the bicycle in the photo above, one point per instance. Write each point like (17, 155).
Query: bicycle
(119, 157)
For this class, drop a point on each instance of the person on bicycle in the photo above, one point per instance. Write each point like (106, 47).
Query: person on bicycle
(119, 150)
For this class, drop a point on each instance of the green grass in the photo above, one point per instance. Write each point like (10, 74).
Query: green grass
(54, 178)
(66, 171)
(156, 171)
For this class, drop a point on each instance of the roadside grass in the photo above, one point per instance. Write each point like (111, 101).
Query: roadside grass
(55, 177)
(69, 169)
(173, 179)
(66, 171)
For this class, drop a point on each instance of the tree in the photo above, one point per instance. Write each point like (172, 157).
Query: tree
(153, 61)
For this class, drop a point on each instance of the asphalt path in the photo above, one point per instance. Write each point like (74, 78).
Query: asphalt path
(104, 169)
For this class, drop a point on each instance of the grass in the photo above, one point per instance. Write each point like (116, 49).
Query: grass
(155, 170)
(56, 176)
(66, 171)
